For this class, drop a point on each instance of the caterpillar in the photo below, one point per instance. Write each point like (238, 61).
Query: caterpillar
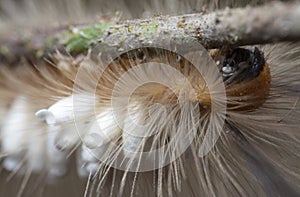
(137, 124)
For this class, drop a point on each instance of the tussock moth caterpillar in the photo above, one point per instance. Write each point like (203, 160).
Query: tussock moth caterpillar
(257, 153)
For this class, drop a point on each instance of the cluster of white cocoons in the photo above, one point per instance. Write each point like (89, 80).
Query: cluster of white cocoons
(42, 140)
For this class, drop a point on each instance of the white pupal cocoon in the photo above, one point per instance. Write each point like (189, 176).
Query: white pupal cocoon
(14, 126)
(87, 161)
(3, 112)
(67, 121)
(133, 135)
(103, 130)
(69, 134)
(36, 149)
(73, 107)
(70, 118)
(59, 112)
(13, 133)
(97, 143)
(57, 158)
(23, 138)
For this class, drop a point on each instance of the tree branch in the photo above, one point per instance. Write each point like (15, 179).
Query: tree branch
(270, 23)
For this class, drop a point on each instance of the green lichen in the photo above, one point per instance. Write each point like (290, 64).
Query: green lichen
(148, 28)
(78, 40)
(130, 28)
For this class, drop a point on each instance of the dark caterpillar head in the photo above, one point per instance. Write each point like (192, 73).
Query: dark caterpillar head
(241, 65)
(246, 76)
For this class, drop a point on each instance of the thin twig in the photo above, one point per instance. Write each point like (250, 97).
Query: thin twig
(270, 23)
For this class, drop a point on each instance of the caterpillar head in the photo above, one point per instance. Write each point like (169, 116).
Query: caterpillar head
(246, 76)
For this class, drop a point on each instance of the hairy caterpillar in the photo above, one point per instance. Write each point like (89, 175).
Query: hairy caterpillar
(257, 154)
